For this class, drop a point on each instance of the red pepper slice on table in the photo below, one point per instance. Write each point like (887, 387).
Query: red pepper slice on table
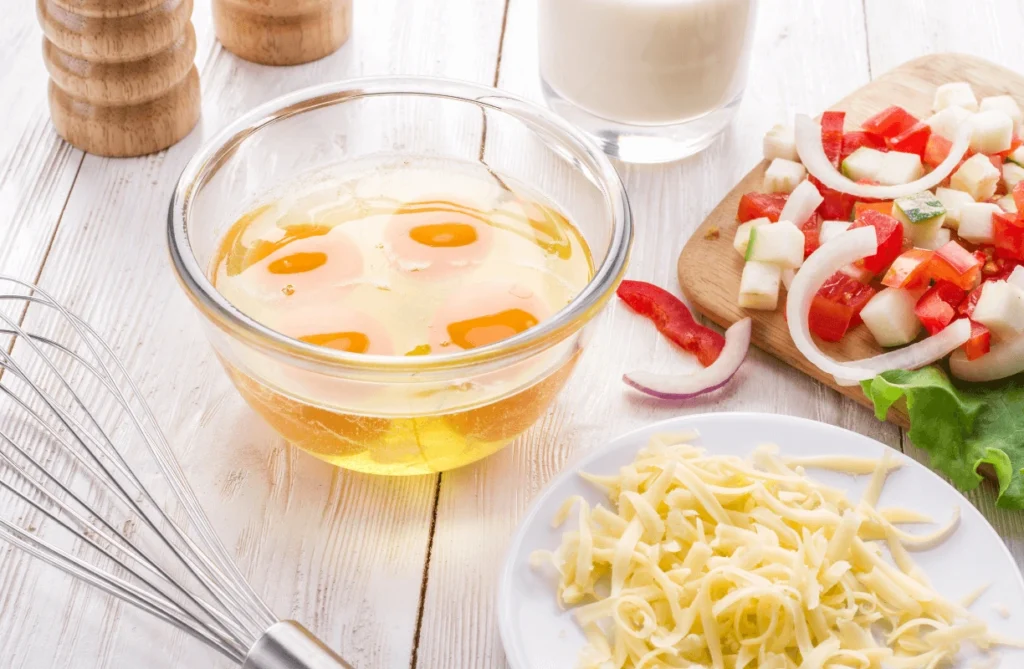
(890, 122)
(761, 205)
(672, 319)
(889, 233)
(858, 138)
(832, 135)
(836, 306)
(938, 306)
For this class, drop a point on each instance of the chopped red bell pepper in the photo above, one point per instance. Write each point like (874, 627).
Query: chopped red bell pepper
(912, 140)
(832, 135)
(812, 234)
(936, 150)
(955, 264)
(890, 122)
(858, 138)
(1018, 198)
(889, 233)
(980, 342)
(761, 205)
(937, 307)
(836, 306)
(1008, 235)
(966, 306)
(909, 270)
(672, 319)
(883, 207)
(835, 206)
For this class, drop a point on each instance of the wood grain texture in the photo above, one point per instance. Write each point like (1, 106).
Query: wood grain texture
(37, 169)
(282, 32)
(481, 505)
(121, 84)
(709, 268)
(344, 553)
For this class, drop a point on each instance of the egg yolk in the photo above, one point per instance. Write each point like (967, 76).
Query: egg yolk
(297, 263)
(444, 235)
(353, 342)
(490, 328)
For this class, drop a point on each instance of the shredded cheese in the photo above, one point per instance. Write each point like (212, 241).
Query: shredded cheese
(721, 562)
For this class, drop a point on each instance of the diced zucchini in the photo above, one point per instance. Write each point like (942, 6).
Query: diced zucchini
(1007, 204)
(779, 142)
(956, 94)
(1005, 104)
(1001, 309)
(830, 229)
(890, 317)
(1012, 173)
(759, 286)
(952, 200)
(921, 214)
(977, 177)
(781, 244)
(921, 207)
(899, 168)
(976, 222)
(782, 176)
(739, 242)
(1017, 155)
(933, 241)
(992, 131)
(863, 163)
(945, 123)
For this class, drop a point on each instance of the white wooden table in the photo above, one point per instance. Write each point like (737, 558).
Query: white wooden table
(395, 573)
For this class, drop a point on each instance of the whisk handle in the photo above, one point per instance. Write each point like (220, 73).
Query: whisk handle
(289, 645)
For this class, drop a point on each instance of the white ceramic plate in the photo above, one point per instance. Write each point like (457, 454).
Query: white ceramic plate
(539, 635)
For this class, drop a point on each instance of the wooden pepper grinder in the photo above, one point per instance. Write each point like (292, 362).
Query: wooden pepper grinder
(282, 32)
(122, 75)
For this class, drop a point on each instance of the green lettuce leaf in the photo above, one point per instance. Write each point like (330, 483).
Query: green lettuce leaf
(961, 427)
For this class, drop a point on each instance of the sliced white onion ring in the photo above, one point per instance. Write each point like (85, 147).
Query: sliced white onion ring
(801, 203)
(712, 377)
(812, 155)
(839, 251)
(1004, 359)
(915, 356)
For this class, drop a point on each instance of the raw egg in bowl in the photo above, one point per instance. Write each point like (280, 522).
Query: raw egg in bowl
(393, 288)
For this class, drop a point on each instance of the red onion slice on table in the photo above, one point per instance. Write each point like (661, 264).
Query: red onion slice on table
(712, 377)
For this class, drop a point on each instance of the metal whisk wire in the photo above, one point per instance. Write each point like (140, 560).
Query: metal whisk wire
(69, 472)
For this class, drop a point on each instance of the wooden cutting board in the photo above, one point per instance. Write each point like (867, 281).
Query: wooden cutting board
(709, 267)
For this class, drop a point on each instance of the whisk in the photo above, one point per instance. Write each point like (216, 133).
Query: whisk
(91, 502)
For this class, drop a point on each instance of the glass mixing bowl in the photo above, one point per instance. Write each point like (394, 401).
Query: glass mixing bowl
(396, 414)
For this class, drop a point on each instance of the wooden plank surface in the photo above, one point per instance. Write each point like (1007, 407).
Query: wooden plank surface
(481, 505)
(342, 552)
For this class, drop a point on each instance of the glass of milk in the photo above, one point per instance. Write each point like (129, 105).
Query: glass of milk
(651, 80)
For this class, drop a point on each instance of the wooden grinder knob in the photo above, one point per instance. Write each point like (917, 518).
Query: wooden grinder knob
(122, 75)
(282, 32)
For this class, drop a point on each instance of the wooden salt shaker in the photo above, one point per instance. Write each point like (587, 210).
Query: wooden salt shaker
(122, 74)
(282, 32)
